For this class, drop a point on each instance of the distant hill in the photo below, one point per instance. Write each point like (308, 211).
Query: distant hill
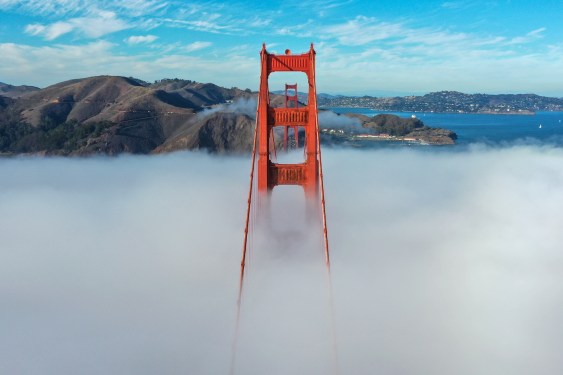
(328, 96)
(200, 94)
(451, 102)
(15, 91)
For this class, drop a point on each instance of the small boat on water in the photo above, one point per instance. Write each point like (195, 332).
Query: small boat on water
(539, 126)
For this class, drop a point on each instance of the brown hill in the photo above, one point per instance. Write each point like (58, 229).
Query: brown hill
(103, 98)
(111, 115)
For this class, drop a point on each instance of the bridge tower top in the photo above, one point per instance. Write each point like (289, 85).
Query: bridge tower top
(270, 173)
(291, 100)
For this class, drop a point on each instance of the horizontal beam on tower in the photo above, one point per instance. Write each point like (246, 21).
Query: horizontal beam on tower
(288, 116)
(288, 174)
(288, 63)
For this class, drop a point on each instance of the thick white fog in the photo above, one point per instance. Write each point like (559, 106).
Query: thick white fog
(442, 263)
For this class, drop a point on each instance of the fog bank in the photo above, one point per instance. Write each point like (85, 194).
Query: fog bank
(441, 263)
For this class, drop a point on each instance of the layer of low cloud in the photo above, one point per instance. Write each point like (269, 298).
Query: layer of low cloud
(245, 106)
(331, 120)
(442, 262)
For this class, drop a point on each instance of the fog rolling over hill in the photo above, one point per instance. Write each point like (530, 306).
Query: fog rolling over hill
(442, 263)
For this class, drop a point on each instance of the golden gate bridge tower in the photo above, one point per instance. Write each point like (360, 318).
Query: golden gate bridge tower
(269, 173)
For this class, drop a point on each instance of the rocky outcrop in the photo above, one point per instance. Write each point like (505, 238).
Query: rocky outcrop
(400, 128)
(435, 136)
(392, 124)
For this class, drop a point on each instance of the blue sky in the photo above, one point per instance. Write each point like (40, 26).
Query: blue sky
(363, 47)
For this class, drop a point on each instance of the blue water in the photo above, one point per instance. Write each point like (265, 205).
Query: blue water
(489, 129)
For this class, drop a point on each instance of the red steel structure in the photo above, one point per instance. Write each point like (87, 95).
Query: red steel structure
(291, 98)
(307, 174)
(271, 174)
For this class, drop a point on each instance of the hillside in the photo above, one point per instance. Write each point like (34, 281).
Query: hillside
(107, 114)
(219, 132)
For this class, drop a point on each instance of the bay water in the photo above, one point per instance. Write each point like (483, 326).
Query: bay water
(540, 128)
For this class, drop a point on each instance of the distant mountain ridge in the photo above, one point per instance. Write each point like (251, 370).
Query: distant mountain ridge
(11, 91)
(451, 102)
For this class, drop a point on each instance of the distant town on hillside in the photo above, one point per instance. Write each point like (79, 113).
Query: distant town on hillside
(450, 102)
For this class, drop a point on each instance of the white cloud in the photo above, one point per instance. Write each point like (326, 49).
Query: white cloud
(130, 8)
(101, 24)
(203, 25)
(532, 36)
(362, 30)
(136, 39)
(95, 26)
(42, 7)
(318, 6)
(225, 19)
(195, 46)
(259, 22)
(137, 8)
(370, 31)
(50, 32)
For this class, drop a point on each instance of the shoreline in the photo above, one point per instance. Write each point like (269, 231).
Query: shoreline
(382, 138)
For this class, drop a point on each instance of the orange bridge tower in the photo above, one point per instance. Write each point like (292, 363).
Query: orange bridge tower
(307, 174)
(271, 174)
